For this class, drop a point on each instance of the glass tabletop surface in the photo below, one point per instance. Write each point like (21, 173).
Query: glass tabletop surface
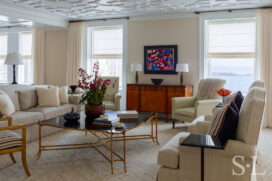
(85, 123)
(206, 141)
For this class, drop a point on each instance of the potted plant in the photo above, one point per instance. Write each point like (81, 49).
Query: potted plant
(94, 90)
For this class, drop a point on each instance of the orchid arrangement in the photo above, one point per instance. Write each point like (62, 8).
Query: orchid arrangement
(94, 87)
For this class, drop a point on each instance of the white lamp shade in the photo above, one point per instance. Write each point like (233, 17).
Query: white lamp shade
(14, 59)
(182, 67)
(136, 67)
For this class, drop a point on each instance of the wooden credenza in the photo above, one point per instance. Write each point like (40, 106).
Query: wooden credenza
(155, 98)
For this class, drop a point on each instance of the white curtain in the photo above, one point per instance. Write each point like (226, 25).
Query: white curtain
(76, 50)
(264, 57)
(38, 49)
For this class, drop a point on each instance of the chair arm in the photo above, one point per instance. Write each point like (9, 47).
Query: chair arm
(235, 148)
(117, 100)
(182, 102)
(9, 119)
(75, 99)
(205, 107)
(201, 127)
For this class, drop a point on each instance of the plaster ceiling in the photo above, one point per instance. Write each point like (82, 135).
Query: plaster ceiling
(13, 22)
(95, 9)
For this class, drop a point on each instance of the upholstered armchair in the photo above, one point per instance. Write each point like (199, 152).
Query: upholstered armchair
(186, 109)
(11, 142)
(112, 98)
(182, 163)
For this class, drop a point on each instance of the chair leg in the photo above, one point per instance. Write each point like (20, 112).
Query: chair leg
(24, 162)
(12, 157)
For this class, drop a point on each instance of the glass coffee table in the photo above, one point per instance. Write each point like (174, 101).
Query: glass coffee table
(105, 136)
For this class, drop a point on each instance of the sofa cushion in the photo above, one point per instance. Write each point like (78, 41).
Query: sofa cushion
(9, 139)
(52, 112)
(168, 155)
(48, 112)
(6, 105)
(109, 105)
(224, 122)
(63, 95)
(190, 112)
(28, 98)
(48, 97)
(26, 118)
(236, 97)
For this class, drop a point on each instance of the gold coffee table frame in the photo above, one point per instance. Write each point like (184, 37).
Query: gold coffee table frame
(109, 137)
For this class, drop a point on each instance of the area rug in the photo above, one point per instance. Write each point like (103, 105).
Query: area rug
(87, 164)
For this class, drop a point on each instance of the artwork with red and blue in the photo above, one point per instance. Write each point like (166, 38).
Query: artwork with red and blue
(160, 59)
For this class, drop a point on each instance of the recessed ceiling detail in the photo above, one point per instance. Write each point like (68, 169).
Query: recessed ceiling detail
(93, 9)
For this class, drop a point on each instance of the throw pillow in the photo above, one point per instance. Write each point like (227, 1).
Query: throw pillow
(7, 107)
(63, 95)
(224, 122)
(236, 97)
(28, 98)
(48, 97)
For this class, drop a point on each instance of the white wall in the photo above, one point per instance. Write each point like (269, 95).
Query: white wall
(182, 32)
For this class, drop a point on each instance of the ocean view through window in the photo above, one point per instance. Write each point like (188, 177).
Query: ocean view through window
(231, 52)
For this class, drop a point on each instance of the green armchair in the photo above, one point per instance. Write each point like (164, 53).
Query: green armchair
(112, 98)
(186, 109)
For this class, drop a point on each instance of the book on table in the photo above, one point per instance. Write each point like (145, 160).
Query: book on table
(127, 114)
(106, 122)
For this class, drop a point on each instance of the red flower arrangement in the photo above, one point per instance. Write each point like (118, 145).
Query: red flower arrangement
(223, 92)
(94, 87)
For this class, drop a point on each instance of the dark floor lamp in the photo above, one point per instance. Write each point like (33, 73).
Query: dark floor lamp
(14, 59)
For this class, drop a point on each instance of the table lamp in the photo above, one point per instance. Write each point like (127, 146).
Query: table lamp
(136, 68)
(14, 59)
(182, 68)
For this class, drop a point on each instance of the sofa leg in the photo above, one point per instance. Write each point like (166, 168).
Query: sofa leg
(12, 157)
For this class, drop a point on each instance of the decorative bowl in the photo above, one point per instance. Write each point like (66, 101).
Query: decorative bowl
(156, 81)
(72, 116)
(73, 88)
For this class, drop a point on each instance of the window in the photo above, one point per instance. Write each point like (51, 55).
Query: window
(231, 52)
(3, 54)
(25, 73)
(107, 50)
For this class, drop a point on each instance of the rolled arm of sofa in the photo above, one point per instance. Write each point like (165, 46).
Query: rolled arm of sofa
(200, 127)
(182, 102)
(74, 99)
(205, 107)
(117, 100)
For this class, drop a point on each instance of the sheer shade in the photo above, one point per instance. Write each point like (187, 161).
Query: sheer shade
(230, 39)
(107, 42)
(3, 54)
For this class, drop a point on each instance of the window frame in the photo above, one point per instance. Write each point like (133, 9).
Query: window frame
(4, 56)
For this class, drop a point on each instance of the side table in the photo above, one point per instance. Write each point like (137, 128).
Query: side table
(203, 141)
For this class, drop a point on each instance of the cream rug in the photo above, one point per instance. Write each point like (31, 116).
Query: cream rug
(87, 164)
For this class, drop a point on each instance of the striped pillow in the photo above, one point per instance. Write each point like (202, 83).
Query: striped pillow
(9, 139)
(236, 97)
(224, 122)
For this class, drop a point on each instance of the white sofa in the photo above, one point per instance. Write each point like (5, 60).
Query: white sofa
(182, 163)
(28, 112)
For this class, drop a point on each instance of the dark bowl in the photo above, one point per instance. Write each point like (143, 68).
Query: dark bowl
(156, 81)
(73, 88)
(72, 117)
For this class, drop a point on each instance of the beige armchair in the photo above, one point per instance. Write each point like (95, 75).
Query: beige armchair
(186, 109)
(182, 163)
(112, 98)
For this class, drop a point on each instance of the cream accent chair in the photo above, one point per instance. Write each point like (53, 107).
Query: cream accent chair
(256, 83)
(187, 109)
(112, 98)
(182, 163)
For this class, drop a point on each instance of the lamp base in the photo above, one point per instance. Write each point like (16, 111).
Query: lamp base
(14, 82)
(14, 75)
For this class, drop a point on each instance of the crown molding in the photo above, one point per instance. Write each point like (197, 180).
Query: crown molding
(31, 14)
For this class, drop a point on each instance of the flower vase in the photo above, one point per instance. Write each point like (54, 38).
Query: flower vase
(94, 111)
